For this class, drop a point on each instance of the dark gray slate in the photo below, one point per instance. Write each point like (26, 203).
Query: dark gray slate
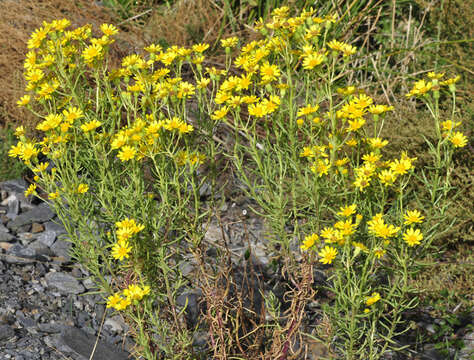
(41, 249)
(83, 343)
(3, 228)
(6, 332)
(47, 237)
(6, 237)
(65, 283)
(41, 213)
(55, 226)
(61, 248)
(16, 185)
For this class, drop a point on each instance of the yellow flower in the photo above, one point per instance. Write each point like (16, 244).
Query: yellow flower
(123, 304)
(113, 300)
(257, 110)
(372, 299)
(450, 125)
(24, 100)
(327, 254)
(121, 250)
(348, 210)
(31, 190)
(126, 153)
(351, 142)
(91, 125)
(229, 42)
(401, 167)
(312, 60)
(321, 167)
(72, 113)
(220, 113)
(413, 216)
(82, 188)
(413, 237)
(458, 139)
(203, 83)
(108, 29)
(379, 253)
(377, 143)
(387, 177)
(308, 109)
(269, 72)
(53, 195)
(432, 75)
(92, 53)
(309, 241)
(200, 48)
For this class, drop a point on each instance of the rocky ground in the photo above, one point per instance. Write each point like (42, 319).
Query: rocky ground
(45, 309)
(45, 312)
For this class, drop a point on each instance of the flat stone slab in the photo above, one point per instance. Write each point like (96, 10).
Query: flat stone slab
(41, 213)
(83, 343)
(65, 283)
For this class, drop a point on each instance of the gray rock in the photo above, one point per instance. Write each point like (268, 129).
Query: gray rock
(61, 248)
(21, 251)
(12, 259)
(83, 344)
(41, 213)
(16, 185)
(116, 324)
(50, 328)
(65, 283)
(26, 237)
(47, 237)
(40, 248)
(55, 226)
(6, 237)
(13, 207)
(6, 332)
(3, 228)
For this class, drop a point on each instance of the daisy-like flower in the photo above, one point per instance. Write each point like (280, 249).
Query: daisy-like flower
(113, 300)
(348, 210)
(373, 299)
(126, 153)
(458, 139)
(31, 190)
(220, 113)
(312, 60)
(123, 304)
(200, 48)
(309, 241)
(377, 143)
(269, 72)
(91, 125)
(82, 188)
(53, 195)
(379, 253)
(92, 53)
(413, 237)
(308, 109)
(121, 250)
(412, 216)
(327, 254)
(108, 29)
(24, 100)
(229, 42)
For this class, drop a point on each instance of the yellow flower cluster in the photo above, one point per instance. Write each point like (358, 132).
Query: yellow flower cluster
(126, 229)
(134, 292)
(344, 229)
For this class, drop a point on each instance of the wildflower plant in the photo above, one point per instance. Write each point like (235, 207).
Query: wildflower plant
(121, 152)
